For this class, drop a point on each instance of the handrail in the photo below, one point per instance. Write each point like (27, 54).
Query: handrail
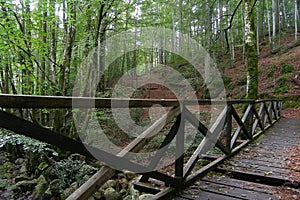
(259, 115)
(38, 101)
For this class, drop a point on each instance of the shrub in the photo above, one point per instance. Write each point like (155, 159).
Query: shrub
(287, 68)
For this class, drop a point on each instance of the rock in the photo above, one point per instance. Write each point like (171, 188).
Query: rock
(3, 183)
(120, 175)
(22, 177)
(127, 198)
(7, 165)
(86, 170)
(42, 166)
(19, 161)
(74, 185)
(48, 192)
(23, 169)
(67, 192)
(297, 169)
(129, 175)
(124, 183)
(146, 196)
(112, 194)
(110, 184)
(124, 192)
(134, 193)
(26, 185)
(98, 195)
(55, 185)
(40, 189)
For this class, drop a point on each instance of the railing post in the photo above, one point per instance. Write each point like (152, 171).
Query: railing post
(275, 116)
(229, 128)
(179, 163)
(250, 119)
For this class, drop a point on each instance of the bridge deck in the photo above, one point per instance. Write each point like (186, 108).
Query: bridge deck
(256, 171)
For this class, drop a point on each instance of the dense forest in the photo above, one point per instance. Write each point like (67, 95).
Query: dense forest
(44, 44)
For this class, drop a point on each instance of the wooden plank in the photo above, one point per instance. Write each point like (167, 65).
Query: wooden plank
(259, 169)
(30, 101)
(202, 129)
(89, 187)
(256, 178)
(229, 128)
(150, 132)
(204, 195)
(274, 111)
(206, 143)
(231, 190)
(257, 120)
(37, 101)
(231, 182)
(164, 195)
(241, 125)
(268, 112)
(179, 163)
(162, 149)
(204, 170)
(142, 187)
(23, 127)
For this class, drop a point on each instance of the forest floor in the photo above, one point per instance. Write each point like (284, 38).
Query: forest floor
(274, 79)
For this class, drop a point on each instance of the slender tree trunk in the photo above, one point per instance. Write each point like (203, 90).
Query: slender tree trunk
(269, 24)
(275, 21)
(296, 19)
(257, 31)
(53, 43)
(251, 51)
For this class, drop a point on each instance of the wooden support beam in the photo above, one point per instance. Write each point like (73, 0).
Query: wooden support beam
(163, 147)
(257, 120)
(241, 125)
(105, 173)
(202, 129)
(207, 142)
(36, 101)
(23, 127)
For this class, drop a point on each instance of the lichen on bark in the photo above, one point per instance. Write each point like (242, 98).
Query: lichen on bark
(251, 51)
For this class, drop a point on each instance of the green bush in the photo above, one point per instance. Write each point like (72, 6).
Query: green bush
(287, 68)
(271, 73)
(281, 89)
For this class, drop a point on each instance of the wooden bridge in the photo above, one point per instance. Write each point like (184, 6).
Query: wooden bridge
(234, 130)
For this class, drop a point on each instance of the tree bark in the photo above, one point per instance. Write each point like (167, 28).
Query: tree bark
(251, 51)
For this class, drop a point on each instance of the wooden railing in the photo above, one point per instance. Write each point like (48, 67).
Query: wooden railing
(231, 131)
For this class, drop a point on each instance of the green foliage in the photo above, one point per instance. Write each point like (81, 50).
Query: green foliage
(271, 73)
(28, 144)
(287, 68)
(70, 170)
(282, 89)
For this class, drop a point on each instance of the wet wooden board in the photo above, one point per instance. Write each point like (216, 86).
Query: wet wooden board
(259, 169)
(263, 160)
(227, 188)
(269, 154)
(265, 163)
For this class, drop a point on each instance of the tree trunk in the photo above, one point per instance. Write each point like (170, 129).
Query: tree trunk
(275, 21)
(269, 24)
(296, 19)
(251, 53)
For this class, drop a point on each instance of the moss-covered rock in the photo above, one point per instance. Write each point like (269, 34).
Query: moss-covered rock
(112, 194)
(40, 189)
(26, 185)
